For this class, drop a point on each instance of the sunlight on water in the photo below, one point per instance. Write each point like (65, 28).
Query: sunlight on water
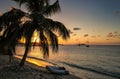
(36, 62)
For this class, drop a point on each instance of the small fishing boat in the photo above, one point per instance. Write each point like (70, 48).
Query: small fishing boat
(57, 70)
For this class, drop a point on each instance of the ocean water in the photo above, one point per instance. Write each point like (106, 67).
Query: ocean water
(94, 62)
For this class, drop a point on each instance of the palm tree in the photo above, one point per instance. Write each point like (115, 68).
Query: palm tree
(38, 11)
(9, 25)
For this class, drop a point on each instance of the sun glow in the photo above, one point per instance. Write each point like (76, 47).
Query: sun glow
(35, 38)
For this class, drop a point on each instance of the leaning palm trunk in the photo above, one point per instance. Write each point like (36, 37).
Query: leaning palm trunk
(27, 47)
(24, 58)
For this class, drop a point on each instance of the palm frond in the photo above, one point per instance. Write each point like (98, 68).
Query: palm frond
(44, 44)
(47, 2)
(53, 40)
(62, 30)
(57, 27)
(34, 43)
(11, 17)
(28, 31)
(20, 2)
(52, 9)
(33, 5)
(0, 23)
(27, 28)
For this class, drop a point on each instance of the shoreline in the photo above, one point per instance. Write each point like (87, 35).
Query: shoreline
(19, 56)
(29, 71)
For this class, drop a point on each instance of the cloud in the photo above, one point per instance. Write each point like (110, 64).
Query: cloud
(98, 35)
(117, 12)
(86, 35)
(109, 39)
(74, 34)
(77, 39)
(76, 28)
(110, 34)
(113, 35)
(93, 36)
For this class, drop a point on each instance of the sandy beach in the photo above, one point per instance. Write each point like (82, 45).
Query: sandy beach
(29, 71)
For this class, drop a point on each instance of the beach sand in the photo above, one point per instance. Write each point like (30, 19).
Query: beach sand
(29, 71)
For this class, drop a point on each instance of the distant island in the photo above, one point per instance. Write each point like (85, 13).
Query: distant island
(87, 45)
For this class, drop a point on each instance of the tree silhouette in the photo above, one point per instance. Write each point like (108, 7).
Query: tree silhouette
(38, 11)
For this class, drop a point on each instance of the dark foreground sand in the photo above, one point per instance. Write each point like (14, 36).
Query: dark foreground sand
(29, 71)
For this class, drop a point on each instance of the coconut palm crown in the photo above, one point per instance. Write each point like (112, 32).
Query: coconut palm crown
(38, 11)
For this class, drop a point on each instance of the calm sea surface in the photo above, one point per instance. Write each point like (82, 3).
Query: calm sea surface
(94, 62)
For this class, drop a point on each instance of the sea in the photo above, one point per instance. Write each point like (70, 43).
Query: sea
(94, 62)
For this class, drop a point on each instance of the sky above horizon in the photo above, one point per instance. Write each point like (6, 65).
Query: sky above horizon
(96, 21)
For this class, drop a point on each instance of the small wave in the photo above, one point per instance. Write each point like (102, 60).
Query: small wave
(95, 70)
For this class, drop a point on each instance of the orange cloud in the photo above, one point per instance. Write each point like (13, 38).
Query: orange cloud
(110, 34)
(86, 35)
(113, 35)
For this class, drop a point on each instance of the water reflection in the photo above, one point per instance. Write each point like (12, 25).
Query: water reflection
(36, 62)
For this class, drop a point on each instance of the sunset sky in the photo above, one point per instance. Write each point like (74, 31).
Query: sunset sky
(96, 21)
